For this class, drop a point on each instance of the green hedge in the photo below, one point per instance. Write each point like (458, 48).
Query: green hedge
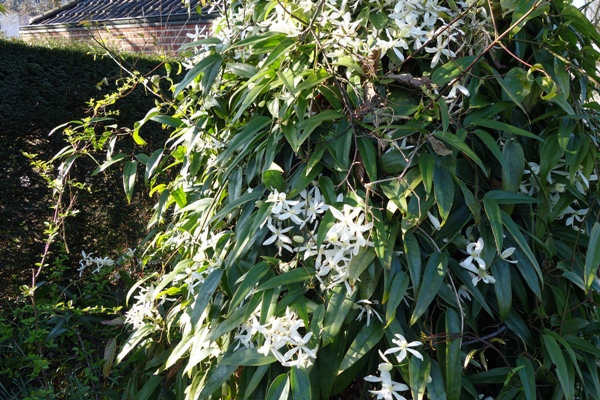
(42, 87)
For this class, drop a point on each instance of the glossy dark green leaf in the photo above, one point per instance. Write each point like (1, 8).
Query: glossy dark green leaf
(368, 337)
(433, 277)
(443, 188)
(452, 69)
(337, 308)
(494, 214)
(279, 389)
(501, 273)
(300, 384)
(360, 262)
(368, 154)
(413, 259)
(419, 374)
(247, 357)
(513, 161)
(504, 127)
(453, 360)
(456, 142)
(527, 376)
(592, 257)
(562, 369)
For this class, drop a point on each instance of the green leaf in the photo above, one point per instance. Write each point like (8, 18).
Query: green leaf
(279, 389)
(309, 125)
(301, 385)
(451, 70)
(398, 286)
(300, 274)
(243, 70)
(502, 287)
(367, 338)
(503, 127)
(413, 259)
(337, 308)
(455, 141)
(129, 174)
(453, 360)
(435, 272)
(503, 197)
(486, 112)
(514, 231)
(247, 282)
(204, 295)
(527, 376)
(592, 257)
(281, 51)
(490, 143)
(443, 188)
(247, 357)
(435, 388)
(152, 164)
(513, 166)
(492, 210)
(218, 375)
(202, 67)
(109, 162)
(562, 370)
(273, 179)
(360, 262)
(426, 166)
(369, 156)
(149, 387)
(418, 372)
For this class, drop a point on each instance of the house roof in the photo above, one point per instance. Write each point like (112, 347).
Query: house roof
(77, 11)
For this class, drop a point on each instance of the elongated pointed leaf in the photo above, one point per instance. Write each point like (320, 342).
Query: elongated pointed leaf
(419, 373)
(494, 214)
(129, 174)
(368, 337)
(300, 384)
(453, 360)
(501, 272)
(527, 376)
(433, 277)
(562, 370)
(592, 257)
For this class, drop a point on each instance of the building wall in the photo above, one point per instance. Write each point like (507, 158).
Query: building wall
(146, 37)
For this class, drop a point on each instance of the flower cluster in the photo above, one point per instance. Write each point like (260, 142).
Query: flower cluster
(298, 221)
(143, 310)
(100, 262)
(480, 272)
(389, 388)
(280, 334)
(556, 182)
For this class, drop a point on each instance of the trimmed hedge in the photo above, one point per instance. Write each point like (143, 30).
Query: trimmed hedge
(42, 87)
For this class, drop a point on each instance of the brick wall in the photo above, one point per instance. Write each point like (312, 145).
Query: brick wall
(144, 38)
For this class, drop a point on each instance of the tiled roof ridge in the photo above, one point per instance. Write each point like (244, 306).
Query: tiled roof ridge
(53, 12)
(78, 11)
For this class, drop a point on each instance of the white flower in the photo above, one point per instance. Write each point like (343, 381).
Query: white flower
(507, 253)
(403, 347)
(365, 307)
(389, 388)
(279, 238)
(440, 49)
(474, 249)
